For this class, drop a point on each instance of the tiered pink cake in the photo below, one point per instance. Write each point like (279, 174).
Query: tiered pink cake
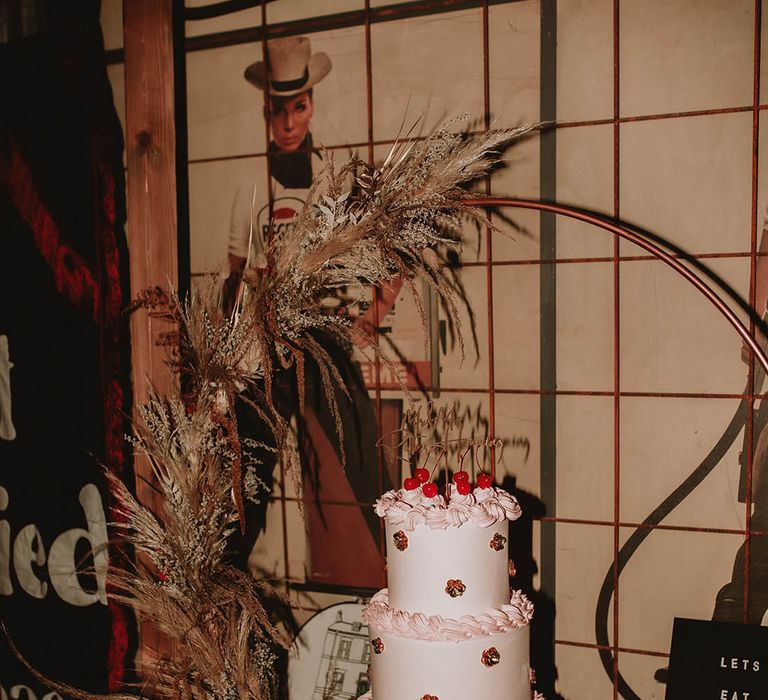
(446, 628)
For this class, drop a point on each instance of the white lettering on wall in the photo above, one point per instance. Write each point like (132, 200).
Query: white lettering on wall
(16, 691)
(5, 549)
(28, 548)
(7, 431)
(738, 664)
(62, 567)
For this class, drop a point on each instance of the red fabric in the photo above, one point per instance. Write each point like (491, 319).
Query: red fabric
(112, 303)
(73, 277)
(98, 293)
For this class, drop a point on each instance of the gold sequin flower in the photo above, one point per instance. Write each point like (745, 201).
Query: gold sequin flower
(455, 587)
(497, 542)
(491, 657)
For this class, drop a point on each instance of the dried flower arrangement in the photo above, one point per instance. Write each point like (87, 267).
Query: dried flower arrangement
(398, 222)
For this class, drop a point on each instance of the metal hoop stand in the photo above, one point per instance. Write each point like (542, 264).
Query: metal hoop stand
(647, 245)
(628, 549)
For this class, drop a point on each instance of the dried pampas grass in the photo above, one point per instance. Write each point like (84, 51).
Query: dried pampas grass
(398, 221)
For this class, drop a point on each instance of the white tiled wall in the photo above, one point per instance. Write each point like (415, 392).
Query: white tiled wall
(672, 339)
(243, 19)
(687, 179)
(419, 67)
(701, 564)
(584, 60)
(585, 179)
(682, 56)
(516, 326)
(112, 23)
(662, 441)
(585, 328)
(585, 458)
(514, 62)
(290, 10)
(224, 111)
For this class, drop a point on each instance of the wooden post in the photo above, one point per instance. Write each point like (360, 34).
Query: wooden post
(150, 145)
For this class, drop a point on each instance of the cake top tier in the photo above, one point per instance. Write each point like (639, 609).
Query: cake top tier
(482, 507)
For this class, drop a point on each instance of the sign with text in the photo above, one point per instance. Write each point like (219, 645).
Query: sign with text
(63, 346)
(718, 661)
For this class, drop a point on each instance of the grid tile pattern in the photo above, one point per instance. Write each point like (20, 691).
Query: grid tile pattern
(660, 124)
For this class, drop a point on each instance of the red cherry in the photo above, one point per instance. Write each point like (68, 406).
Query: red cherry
(430, 489)
(464, 487)
(458, 477)
(422, 475)
(410, 484)
(485, 481)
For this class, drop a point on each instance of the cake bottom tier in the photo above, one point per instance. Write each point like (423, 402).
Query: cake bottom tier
(489, 666)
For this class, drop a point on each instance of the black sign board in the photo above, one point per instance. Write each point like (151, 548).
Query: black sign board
(62, 399)
(718, 661)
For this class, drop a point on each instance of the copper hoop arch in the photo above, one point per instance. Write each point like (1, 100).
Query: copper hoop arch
(642, 242)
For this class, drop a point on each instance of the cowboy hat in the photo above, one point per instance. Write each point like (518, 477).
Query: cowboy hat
(292, 67)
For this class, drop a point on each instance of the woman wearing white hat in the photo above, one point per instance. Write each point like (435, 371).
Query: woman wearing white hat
(288, 81)
(293, 71)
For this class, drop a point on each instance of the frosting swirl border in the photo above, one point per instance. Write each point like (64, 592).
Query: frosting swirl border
(482, 507)
(435, 628)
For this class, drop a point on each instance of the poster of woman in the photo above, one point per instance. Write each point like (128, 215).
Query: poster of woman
(292, 161)
(271, 192)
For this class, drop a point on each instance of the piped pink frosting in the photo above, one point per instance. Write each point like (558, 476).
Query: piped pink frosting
(482, 507)
(433, 628)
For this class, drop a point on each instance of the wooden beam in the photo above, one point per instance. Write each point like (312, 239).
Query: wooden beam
(150, 145)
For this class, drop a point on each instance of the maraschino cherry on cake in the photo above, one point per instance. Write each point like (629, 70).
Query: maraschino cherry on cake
(448, 627)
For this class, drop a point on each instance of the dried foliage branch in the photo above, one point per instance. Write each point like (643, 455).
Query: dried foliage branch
(226, 644)
(397, 222)
(182, 582)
